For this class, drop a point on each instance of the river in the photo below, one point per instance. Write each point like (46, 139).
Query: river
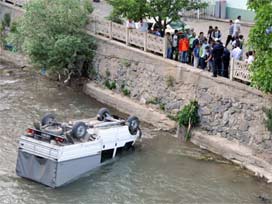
(160, 170)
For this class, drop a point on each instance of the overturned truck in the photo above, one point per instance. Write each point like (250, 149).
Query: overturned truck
(55, 154)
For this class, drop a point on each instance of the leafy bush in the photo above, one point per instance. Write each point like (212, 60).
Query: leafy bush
(188, 117)
(261, 42)
(52, 34)
(110, 84)
(115, 18)
(6, 20)
(126, 91)
(268, 121)
(170, 81)
(154, 101)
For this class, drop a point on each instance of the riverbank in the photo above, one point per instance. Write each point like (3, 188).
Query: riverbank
(230, 112)
(234, 149)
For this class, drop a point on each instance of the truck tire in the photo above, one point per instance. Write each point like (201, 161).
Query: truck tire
(47, 119)
(79, 130)
(133, 124)
(102, 114)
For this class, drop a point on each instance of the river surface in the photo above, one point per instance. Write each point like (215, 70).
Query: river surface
(160, 170)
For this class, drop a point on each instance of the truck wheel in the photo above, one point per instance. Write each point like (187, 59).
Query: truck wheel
(79, 130)
(133, 124)
(102, 114)
(47, 119)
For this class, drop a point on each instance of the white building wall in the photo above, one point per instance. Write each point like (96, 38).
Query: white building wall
(239, 4)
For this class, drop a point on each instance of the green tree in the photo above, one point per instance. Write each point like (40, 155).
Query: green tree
(162, 11)
(261, 41)
(53, 35)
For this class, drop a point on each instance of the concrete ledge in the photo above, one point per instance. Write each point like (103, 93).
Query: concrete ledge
(128, 106)
(237, 153)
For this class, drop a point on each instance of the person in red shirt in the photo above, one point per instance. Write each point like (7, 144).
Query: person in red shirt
(183, 49)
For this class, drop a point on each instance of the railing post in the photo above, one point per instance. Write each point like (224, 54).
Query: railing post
(231, 69)
(145, 41)
(164, 47)
(127, 36)
(110, 30)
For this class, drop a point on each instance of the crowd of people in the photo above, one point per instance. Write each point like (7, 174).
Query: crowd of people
(208, 52)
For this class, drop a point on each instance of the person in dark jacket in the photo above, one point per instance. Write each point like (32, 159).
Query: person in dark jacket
(226, 62)
(217, 54)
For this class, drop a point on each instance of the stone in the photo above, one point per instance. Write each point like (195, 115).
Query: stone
(173, 105)
(248, 115)
(203, 111)
(243, 126)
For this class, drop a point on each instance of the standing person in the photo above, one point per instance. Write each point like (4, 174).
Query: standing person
(192, 37)
(142, 26)
(202, 54)
(196, 55)
(209, 35)
(169, 45)
(226, 62)
(241, 40)
(250, 58)
(217, 54)
(236, 27)
(216, 34)
(175, 45)
(130, 24)
(229, 38)
(183, 49)
(236, 53)
(209, 60)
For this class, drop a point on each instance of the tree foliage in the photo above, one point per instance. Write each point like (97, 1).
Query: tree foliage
(162, 11)
(261, 42)
(52, 34)
(188, 117)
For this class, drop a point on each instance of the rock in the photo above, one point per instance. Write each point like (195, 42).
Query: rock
(203, 111)
(142, 100)
(248, 115)
(173, 105)
(225, 119)
(243, 126)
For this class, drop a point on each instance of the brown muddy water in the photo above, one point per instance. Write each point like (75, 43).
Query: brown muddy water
(160, 170)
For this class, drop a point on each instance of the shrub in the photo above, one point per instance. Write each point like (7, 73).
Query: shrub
(126, 91)
(170, 81)
(52, 34)
(110, 84)
(268, 121)
(108, 74)
(154, 101)
(188, 117)
(260, 41)
(6, 20)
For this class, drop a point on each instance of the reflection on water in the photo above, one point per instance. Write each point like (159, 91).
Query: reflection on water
(160, 170)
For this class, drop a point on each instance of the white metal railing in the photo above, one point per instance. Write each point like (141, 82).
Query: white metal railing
(239, 70)
(119, 32)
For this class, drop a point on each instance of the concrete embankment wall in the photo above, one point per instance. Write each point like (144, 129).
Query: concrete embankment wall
(231, 113)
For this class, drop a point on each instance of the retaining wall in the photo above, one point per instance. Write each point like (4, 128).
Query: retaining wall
(228, 110)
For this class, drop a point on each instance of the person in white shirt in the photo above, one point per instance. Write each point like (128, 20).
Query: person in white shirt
(236, 53)
(142, 26)
(130, 24)
(236, 27)
(175, 45)
(250, 58)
